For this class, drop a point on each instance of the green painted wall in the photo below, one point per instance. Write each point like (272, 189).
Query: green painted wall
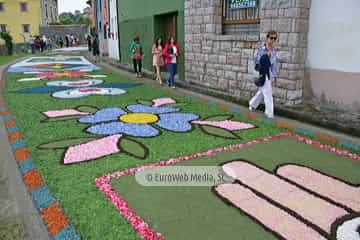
(139, 18)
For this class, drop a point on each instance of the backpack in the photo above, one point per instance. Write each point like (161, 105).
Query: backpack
(137, 54)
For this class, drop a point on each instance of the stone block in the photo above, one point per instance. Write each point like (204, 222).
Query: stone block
(285, 84)
(303, 3)
(225, 46)
(230, 75)
(223, 84)
(283, 38)
(284, 56)
(285, 3)
(294, 94)
(220, 73)
(293, 12)
(282, 25)
(300, 25)
(293, 40)
(235, 68)
(210, 28)
(297, 74)
(222, 59)
(247, 53)
(279, 92)
(233, 84)
(298, 55)
(233, 58)
(211, 72)
(213, 58)
(268, 4)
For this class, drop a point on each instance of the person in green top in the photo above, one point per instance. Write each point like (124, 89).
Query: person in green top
(137, 53)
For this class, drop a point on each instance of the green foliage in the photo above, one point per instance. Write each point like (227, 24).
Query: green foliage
(8, 42)
(75, 18)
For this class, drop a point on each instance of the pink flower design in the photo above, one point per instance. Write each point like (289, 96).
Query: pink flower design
(162, 101)
(308, 202)
(227, 124)
(70, 74)
(64, 113)
(92, 150)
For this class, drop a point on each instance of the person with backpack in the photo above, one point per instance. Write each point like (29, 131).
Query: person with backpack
(137, 53)
(266, 63)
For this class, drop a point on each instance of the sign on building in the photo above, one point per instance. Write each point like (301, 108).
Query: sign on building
(239, 4)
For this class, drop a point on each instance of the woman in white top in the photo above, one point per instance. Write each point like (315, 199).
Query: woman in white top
(171, 53)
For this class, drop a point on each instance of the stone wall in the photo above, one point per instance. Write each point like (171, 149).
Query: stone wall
(224, 63)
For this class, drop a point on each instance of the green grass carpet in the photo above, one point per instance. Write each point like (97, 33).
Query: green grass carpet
(183, 213)
(73, 185)
(7, 59)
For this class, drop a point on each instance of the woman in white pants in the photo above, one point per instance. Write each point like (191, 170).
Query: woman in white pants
(265, 92)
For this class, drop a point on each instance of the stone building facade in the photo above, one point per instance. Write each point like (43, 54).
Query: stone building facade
(223, 63)
(49, 12)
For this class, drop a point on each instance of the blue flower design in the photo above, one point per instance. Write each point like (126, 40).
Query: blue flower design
(139, 121)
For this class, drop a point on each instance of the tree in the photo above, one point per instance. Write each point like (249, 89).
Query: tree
(8, 42)
(66, 20)
(76, 18)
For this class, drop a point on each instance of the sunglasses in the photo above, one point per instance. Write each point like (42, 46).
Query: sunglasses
(273, 38)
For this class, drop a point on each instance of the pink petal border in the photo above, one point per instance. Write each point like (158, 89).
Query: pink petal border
(140, 226)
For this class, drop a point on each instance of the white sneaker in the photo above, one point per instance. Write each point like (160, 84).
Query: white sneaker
(270, 117)
(173, 87)
(251, 108)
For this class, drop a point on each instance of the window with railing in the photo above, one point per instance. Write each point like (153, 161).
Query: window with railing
(241, 16)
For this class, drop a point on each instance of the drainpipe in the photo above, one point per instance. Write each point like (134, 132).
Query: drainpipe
(118, 27)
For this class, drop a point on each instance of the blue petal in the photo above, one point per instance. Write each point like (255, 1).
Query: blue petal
(177, 122)
(104, 115)
(135, 130)
(48, 89)
(140, 108)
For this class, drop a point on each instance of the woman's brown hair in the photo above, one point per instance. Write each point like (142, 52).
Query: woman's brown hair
(169, 39)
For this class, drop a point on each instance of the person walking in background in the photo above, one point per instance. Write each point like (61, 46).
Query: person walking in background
(95, 48)
(71, 40)
(44, 43)
(137, 53)
(171, 53)
(67, 40)
(32, 44)
(49, 43)
(37, 44)
(158, 60)
(61, 42)
(265, 91)
(88, 39)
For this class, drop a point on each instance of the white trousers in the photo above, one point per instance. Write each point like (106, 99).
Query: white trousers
(264, 92)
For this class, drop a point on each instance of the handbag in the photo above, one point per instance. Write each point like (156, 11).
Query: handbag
(263, 67)
(260, 80)
(170, 50)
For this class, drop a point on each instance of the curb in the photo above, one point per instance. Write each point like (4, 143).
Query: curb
(54, 218)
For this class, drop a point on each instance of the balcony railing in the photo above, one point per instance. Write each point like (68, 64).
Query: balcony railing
(240, 11)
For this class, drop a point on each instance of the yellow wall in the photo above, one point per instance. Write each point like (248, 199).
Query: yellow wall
(14, 18)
